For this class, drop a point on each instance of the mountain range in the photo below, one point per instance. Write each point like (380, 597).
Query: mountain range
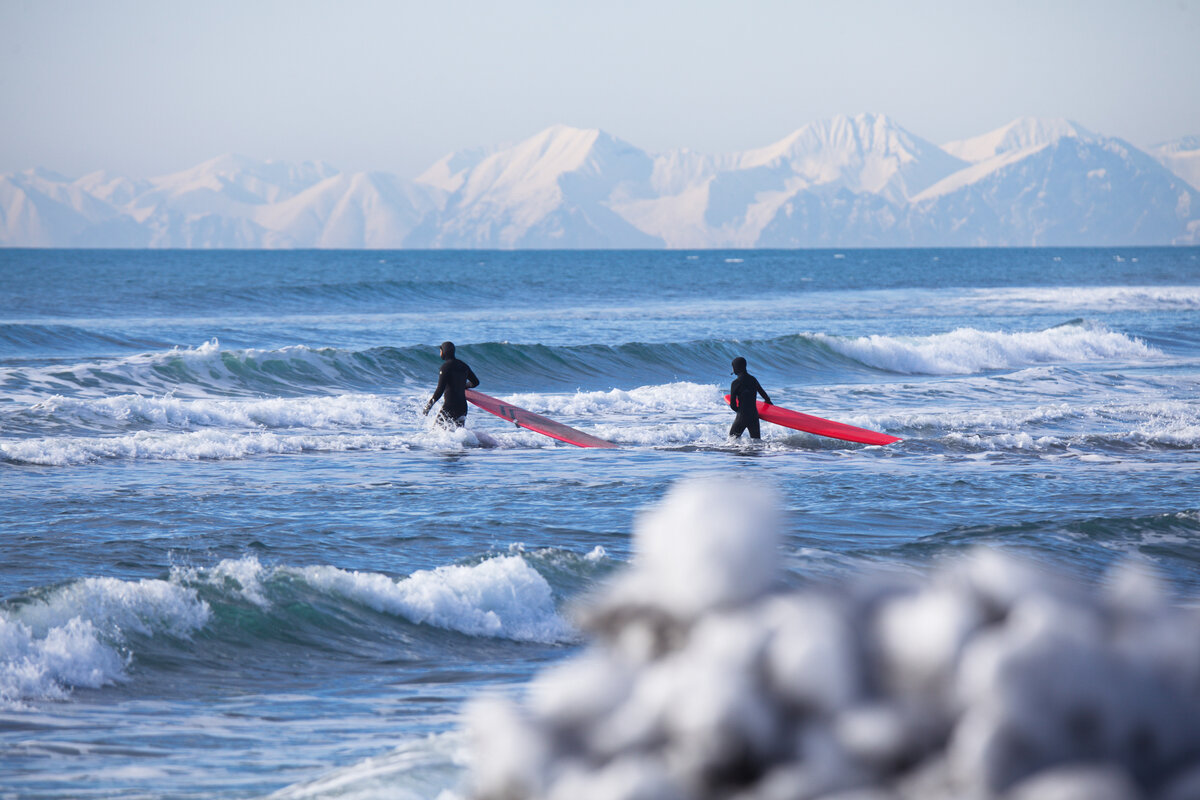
(861, 181)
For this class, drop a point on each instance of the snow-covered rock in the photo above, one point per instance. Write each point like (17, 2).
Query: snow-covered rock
(985, 678)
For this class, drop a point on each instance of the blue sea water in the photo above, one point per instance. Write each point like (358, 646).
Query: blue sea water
(236, 560)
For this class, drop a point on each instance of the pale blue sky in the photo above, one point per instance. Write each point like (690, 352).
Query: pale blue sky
(154, 86)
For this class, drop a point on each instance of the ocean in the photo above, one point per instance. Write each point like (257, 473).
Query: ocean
(237, 561)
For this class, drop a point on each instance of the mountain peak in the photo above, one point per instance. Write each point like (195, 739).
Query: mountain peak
(1023, 133)
(864, 153)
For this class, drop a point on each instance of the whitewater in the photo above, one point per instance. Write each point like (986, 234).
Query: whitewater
(237, 561)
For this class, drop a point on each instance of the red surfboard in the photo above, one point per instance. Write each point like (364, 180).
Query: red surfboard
(535, 422)
(821, 427)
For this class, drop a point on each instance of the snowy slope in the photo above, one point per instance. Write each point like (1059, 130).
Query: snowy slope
(730, 202)
(39, 208)
(227, 202)
(1024, 133)
(868, 153)
(1074, 191)
(554, 189)
(1181, 157)
(367, 209)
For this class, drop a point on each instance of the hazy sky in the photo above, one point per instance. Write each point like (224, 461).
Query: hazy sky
(145, 88)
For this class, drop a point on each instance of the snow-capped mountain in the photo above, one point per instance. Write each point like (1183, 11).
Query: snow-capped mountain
(1071, 191)
(731, 202)
(843, 182)
(555, 189)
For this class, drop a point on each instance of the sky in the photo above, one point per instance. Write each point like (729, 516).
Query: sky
(148, 87)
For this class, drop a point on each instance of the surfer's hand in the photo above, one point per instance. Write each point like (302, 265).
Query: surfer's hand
(428, 406)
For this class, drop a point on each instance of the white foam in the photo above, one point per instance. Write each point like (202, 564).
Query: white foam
(968, 350)
(46, 666)
(197, 445)
(986, 679)
(1134, 424)
(667, 398)
(75, 635)
(278, 412)
(501, 597)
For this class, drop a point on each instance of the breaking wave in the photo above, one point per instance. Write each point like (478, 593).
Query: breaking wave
(91, 633)
(967, 351)
(208, 370)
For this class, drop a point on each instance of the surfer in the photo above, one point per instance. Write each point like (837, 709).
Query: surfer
(454, 378)
(743, 393)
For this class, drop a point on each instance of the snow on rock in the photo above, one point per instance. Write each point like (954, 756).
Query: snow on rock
(987, 679)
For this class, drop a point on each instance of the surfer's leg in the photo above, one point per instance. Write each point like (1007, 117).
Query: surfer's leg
(752, 426)
(449, 422)
(739, 425)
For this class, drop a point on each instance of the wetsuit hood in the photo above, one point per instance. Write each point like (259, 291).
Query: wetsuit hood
(447, 351)
(739, 365)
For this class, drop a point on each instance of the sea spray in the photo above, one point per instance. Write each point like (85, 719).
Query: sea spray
(78, 635)
(990, 678)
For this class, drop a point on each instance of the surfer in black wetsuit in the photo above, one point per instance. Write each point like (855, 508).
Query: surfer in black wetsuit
(743, 394)
(454, 378)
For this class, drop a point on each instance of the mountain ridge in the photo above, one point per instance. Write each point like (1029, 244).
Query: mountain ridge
(861, 180)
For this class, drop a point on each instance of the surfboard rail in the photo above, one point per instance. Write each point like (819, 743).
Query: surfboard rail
(535, 422)
(820, 426)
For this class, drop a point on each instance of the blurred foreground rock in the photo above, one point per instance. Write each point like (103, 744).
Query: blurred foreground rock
(990, 679)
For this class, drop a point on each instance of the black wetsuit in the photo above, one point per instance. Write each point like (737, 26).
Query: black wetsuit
(454, 378)
(742, 396)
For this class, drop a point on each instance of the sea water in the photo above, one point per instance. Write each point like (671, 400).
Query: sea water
(236, 560)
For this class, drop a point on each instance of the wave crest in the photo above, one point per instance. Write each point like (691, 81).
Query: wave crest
(965, 351)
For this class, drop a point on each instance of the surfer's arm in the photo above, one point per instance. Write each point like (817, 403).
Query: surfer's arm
(764, 394)
(439, 391)
(472, 381)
